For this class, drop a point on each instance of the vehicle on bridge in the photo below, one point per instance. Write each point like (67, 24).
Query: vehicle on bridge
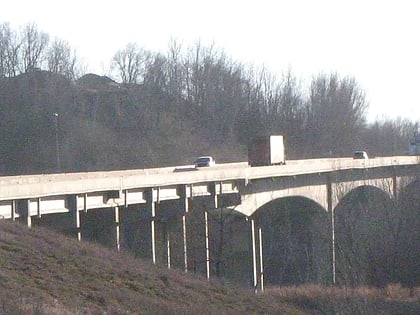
(266, 150)
(414, 146)
(360, 155)
(204, 161)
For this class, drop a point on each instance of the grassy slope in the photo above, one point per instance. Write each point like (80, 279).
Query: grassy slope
(42, 272)
(46, 271)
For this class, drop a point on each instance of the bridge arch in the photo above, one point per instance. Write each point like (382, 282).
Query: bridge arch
(296, 241)
(408, 235)
(365, 223)
(260, 196)
(324, 182)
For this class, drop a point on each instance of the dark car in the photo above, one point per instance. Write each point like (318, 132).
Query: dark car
(360, 155)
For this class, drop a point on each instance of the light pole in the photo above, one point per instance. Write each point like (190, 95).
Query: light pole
(57, 144)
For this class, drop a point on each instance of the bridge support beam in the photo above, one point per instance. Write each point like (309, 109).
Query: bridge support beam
(72, 206)
(153, 236)
(168, 245)
(330, 210)
(117, 227)
(184, 224)
(24, 208)
(152, 199)
(257, 258)
(254, 256)
(394, 187)
(261, 259)
(13, 210)
(184, 237)
(38, 203)
(76, 218)
(206, 226)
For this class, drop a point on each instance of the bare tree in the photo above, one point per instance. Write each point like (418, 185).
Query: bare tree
(214, 85)
(62, 60)
(130, 63)
(175, 72)
(34, 45)
(290, 116)
(9, 51)
(195, 71)
(335, 115)
(4, 42)
(389, 137)
(366, 224)
(155, 83)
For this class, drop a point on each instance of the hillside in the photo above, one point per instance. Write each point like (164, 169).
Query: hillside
(46, 273)
(62, 276)
(95, 123)
(50, 123)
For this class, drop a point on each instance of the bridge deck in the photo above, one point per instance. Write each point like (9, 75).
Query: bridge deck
(33, 186)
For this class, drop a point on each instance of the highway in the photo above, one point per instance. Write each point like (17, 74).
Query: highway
(31, 186)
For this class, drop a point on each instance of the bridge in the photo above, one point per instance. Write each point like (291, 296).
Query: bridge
(232, 187)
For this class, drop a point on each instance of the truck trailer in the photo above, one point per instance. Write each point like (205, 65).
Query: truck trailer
(266, 150)
(414, 146)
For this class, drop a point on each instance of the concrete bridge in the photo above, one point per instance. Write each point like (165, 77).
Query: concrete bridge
(228, 187)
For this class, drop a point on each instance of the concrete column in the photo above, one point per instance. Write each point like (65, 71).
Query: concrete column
(334, 262)
(38, 202)
(214, 193)
(206, 222)
(85, 206)
(117, 227)
(72, 206)
(13, 214)
(28, 213)
(153, 213)
(394, 186)
(261, 260)
(184, 236)
(331, 211)
(25, 211)
(254, 256)
(76, 214)
(168, 245)
(184, 224)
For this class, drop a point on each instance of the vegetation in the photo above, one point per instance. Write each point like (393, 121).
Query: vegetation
(154, 109)
(157, 110)
(46, 273)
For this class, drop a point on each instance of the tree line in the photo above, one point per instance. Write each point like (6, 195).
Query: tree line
(32, 49)
(155, 109)
(198, 91)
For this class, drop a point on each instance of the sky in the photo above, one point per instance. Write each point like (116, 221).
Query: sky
(376, 42)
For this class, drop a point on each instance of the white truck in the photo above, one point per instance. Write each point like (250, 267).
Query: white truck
(266, 150)
(414, 146)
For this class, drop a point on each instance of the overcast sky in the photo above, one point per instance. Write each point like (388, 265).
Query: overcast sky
(374, 41)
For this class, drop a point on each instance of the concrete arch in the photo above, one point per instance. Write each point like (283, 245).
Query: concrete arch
(408, 236)
(368, 193)
(251, 202)
(340, 190)
(365, 222)
(296, 241)
(410, 189)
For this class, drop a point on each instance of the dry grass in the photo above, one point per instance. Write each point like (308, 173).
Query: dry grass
(42, 272)
(393, 299)
(396, 291)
